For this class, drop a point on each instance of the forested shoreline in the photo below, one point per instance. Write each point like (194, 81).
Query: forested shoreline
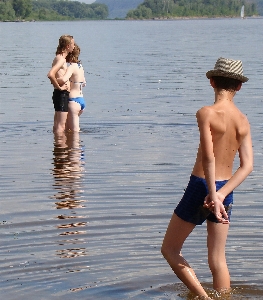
(188, 8)
(60, 10)
(50, 10)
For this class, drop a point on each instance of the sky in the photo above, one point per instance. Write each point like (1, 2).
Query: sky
(87, 1)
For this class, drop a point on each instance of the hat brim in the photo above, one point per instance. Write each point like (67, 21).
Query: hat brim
(213, 73)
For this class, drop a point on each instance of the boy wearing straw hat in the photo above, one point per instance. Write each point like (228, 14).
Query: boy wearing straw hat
(224, 131)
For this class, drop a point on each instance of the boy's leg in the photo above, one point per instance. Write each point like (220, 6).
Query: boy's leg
(177, 232)
(60, 119)
(216, 242)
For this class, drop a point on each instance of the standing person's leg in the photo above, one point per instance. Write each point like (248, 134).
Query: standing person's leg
(60, 102)
(177, 232)
(73, 116)
(216, 242)
(60, 119)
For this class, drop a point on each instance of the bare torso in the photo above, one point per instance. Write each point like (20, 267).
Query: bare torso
(228, 127)
(63, 68)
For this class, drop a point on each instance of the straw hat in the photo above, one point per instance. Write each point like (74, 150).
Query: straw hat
(228, 68)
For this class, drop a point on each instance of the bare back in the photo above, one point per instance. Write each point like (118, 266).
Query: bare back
(75, 74)
(227, 128)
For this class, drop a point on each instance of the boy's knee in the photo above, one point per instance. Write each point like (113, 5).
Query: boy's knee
(217, 266)
(165, 251)
(168, 252)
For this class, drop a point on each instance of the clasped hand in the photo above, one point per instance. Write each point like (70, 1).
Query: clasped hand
(216, 206)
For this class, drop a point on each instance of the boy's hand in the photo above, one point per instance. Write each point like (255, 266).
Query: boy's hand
(217, 208)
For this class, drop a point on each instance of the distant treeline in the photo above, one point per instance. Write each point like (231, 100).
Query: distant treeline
(191, 8)
(260, 6)
(50, 10)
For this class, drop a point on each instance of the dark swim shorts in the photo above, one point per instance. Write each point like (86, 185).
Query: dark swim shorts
(191, 209)
(60, 100)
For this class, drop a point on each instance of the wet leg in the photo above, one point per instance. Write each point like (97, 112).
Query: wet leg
(216, 242)
(177, 232)
(73, 116)
(60, 119)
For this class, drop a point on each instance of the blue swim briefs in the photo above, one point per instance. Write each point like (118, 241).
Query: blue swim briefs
(191, 209)
(80, 101)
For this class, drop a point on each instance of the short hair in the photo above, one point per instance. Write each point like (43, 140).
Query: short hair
(226, 83)
(73, 57)
(63, 42)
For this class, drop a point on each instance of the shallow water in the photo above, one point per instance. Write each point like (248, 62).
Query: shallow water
(84, 216)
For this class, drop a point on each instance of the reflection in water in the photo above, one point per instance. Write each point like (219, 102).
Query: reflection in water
(68, 173)
(68, 170)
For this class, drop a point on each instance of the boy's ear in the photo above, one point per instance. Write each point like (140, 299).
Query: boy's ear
(239, 86)
(212, 83)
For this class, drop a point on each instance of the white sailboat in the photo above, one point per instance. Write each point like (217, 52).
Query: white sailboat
(242, 13)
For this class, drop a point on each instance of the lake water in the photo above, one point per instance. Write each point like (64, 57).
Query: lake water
(83, 217)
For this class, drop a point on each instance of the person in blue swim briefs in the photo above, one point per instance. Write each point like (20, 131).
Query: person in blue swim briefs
(224, 131)
(76, 77)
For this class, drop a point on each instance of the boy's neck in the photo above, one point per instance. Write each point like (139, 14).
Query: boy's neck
(64, 53)
(224, 95)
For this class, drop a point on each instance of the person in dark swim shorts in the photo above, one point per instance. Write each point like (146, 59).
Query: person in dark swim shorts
(224, 133)
(60, 94)
(191, 207)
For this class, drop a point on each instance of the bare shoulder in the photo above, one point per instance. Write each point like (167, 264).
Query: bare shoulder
(204, 113)
(243, 125)
(244, 118)
(58, 60)
(239, 117)
(74, 65)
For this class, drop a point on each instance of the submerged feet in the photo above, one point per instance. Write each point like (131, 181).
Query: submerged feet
(222, 294)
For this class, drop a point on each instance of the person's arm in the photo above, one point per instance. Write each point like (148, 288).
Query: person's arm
(208, 159)
(214, 200)
(84, 82)
(67, 75)
(57, 65)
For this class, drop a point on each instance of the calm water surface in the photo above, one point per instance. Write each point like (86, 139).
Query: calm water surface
(83, 216)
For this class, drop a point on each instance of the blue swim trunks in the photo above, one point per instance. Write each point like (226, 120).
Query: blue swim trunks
(80, 101)
(191, 209)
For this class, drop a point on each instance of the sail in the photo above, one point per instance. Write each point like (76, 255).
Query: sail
(242, 14)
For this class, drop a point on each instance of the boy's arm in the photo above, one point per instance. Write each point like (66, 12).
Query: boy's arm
(246, 165)
(57, 65)
(66, 76)
(208, 159)
(204, 117)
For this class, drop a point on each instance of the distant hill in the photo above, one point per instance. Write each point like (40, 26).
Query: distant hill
(119, 8)
(260, 6)
(150, 9)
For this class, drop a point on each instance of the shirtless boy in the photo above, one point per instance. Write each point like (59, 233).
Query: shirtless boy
(60, 94)
(224, 131)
